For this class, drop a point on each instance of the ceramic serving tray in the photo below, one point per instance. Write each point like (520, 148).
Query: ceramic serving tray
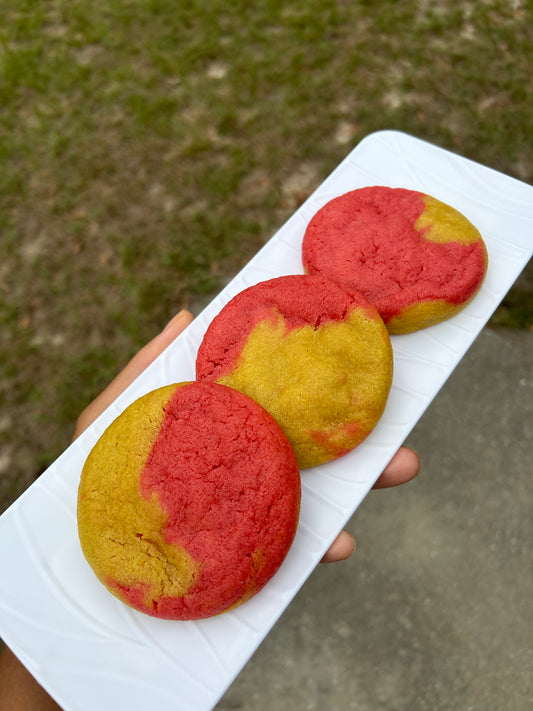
(88, 649)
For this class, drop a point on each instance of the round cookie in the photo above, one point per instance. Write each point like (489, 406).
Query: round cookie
(418, 260)
(317, 358)
(189, 501)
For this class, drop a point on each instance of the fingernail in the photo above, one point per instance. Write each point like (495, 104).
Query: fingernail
(174, 320)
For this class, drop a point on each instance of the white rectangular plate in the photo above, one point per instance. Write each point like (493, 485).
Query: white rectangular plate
(92, 652)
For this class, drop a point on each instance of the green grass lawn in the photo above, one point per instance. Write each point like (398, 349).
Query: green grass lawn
(149, 148)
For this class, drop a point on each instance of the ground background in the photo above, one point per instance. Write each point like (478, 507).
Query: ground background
(150, 148)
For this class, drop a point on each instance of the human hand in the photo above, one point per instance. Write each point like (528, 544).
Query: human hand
(133, 369)
(403, 466)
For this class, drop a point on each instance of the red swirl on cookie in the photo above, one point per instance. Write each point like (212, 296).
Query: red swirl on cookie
(418, 260)
(189, 502)
(316, 357)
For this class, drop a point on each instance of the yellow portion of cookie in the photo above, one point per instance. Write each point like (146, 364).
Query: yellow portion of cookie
(121, 532)
(327, 387)
(422, 315)
(441, 223)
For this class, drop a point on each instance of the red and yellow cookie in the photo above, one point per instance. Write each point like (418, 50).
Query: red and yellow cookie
(317, 358)
(418, 260)
(189, 501)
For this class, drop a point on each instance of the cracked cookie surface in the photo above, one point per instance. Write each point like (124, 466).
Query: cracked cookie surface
(417, 259)
(189, 501)
(317, 358)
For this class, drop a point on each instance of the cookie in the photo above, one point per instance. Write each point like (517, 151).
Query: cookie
(317, 358)
(418, 260)
(189, 501)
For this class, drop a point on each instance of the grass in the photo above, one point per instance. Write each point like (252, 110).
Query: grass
(149, 149)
